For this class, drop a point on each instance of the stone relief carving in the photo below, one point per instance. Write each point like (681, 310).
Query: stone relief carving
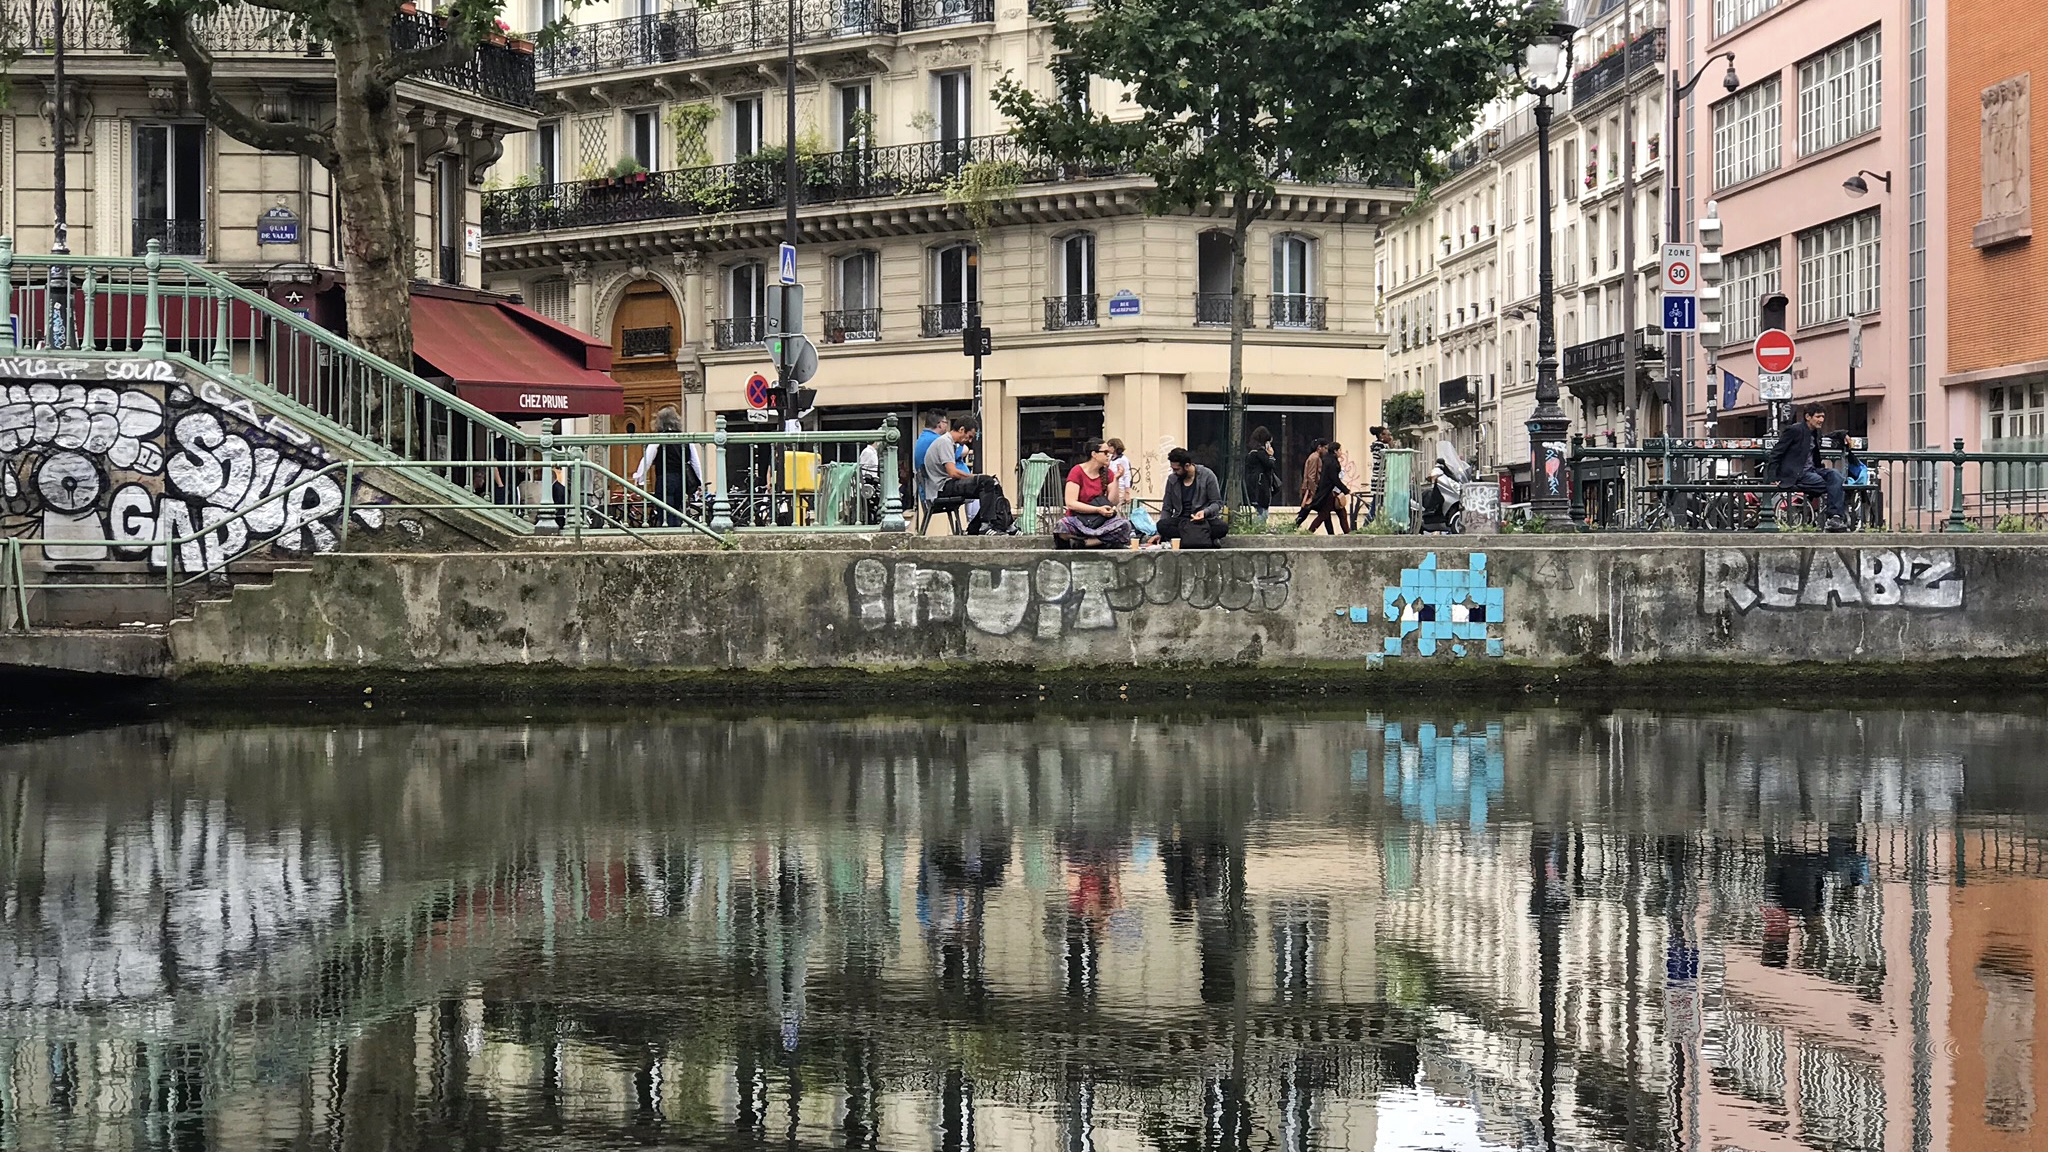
(2007, 158)
(77, 115)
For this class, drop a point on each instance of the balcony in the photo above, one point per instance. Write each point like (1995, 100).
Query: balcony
(948, 319)
(693, 32)
(1595, 366)
(1608, 75)
(178, 237)
(731, 332)
(757, 184)
(1457, 399)
(945, 13)
(497, 72)
(1212, 309)
(853, 326)
(1307, 313)
(647, 343)
(1063, 312)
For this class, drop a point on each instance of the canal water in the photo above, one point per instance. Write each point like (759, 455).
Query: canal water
(1599, 928)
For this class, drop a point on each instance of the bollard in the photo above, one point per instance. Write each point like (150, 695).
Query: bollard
(892, 489)
(1956, 522)
(721, 511)
(6, 293)
(220, 360)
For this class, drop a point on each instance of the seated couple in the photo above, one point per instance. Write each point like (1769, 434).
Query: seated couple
(1190, 515)
(941, 477)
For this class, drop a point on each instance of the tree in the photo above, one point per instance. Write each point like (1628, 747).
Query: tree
(1233, 96)
(364, 146)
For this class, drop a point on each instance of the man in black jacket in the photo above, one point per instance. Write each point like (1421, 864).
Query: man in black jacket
(1191, 515)
(1796, 458)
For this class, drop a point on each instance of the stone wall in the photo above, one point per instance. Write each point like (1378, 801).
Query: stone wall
(1395, 607)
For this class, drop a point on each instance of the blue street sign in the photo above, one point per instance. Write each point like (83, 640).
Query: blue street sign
(1124, 303)
(788, 264)
(1681, 314)
(279, 225)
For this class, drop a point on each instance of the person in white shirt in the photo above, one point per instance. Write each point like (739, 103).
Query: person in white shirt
(674, 468)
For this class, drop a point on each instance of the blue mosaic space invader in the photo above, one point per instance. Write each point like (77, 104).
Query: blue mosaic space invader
(1444, 606)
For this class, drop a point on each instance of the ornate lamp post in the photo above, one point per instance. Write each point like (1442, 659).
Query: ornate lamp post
(1544, 70)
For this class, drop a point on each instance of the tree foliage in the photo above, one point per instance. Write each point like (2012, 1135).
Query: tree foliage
(363, 144)
(1226, 99)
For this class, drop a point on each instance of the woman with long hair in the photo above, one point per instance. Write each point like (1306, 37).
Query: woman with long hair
(1092, 519)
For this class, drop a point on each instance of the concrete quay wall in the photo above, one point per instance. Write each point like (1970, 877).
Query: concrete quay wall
(1397, 609)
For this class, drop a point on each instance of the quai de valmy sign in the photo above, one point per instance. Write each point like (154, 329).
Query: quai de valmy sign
(279, 225)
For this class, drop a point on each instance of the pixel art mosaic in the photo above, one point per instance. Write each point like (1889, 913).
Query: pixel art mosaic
(1441, 607)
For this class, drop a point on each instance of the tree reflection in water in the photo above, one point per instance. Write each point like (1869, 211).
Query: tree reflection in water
(1571, 929)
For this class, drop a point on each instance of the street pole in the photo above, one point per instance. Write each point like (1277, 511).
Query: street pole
(1855, 426)
(1631, 391)
(58, 289)
(1549, 451)
(974, 326)
(1674, 343)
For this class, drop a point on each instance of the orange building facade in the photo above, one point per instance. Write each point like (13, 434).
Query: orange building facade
(1998, 953)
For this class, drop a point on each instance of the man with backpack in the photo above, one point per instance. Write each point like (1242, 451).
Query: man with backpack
(1795, 461)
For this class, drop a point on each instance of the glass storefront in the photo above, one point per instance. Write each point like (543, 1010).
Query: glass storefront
(1296, 423)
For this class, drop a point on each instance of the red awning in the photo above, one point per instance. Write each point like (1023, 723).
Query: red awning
(511, 361)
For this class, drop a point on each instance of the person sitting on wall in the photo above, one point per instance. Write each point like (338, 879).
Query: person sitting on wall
(1092, 519)
(943, 477)
(1796, 462)
(1191, 515)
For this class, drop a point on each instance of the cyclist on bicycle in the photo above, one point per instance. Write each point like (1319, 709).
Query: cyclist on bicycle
(1796, 461)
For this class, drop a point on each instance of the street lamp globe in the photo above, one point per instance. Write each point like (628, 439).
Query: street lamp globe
(1546, 59)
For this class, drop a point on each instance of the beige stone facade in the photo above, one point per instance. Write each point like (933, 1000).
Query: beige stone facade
(891, 104)
(142, 164)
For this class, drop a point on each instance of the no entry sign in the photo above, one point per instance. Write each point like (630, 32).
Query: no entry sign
(1774, 351)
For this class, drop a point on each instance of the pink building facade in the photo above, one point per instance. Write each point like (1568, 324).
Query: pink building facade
(1828, 91)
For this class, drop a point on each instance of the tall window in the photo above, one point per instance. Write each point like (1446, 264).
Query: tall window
(1839, 93)
(1073, 82)
(448, 218)
(746, 126)
(1838, 269)
(641, 136)
(856, 116)
(1076, 255)
(548, 11)
(956, 284)
(1750, 275)
(548, 151)
(1568, 170)
(1291, 277)
(1746, 134)
(859, 316)
(954, 98)
(1732, 14)
(746, 289)
(170, 186)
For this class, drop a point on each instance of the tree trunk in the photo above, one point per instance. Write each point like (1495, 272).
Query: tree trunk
(372, 180)
(1233, 436)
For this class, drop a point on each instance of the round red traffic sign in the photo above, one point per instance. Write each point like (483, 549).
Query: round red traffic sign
(1774, 351)
(757, 391)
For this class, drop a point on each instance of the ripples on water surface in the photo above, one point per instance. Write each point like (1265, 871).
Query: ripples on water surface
(1756, 930)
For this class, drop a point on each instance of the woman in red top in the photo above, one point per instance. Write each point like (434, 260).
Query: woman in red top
(1092, 520)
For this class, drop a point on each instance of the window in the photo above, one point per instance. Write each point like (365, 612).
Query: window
(641, 136)
(1749, 276)
(860, 315)
(549, 12)
(856, 116)
(548, 151)
(1838, 270)
(1732, 14)
(2017, 412)
(1529, 192)
(956, 286)
(1839, 93)
(1076, 258)
(746, 126)
(1507, 197)
(746, 289)
(1746, 134)
(954, 95)
(1073, 83)
(448, 218)
(170, 187)
(1568, 171)
(1292, 275)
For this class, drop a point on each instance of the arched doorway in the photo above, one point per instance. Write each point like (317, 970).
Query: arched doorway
(647, 333)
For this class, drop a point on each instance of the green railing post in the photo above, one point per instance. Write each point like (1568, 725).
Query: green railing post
(348, 493)
(1956, 521)
(576, 503)
(892, 488)
(152, 312)
(721, 512)
(6, 293)
(220, 361)
(1576, 510)
(82, 337)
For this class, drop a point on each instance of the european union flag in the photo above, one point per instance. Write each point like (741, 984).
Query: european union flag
(1731, 389)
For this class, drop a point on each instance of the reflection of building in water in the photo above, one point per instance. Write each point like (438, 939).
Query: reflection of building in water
(1997, 961)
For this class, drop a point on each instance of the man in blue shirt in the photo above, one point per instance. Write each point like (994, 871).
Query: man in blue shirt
(934, 427)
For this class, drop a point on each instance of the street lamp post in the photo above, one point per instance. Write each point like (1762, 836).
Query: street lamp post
(1544, 67)
(1674, 367)
(57, 292)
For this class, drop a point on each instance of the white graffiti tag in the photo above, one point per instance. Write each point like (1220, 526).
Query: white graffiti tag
(1047, 599)
(1825, 578)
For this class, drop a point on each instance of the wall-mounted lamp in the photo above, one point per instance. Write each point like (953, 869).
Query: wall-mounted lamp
(1857, 186)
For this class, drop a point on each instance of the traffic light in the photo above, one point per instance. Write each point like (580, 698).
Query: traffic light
(977, 341)
(1773, 311)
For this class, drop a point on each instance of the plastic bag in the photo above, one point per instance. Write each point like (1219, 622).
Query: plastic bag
(1142, 522)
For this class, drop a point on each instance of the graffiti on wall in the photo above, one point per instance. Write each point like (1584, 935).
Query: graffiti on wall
(115, 469)
(1058, 595)
(1449, 609)
(1828, 578)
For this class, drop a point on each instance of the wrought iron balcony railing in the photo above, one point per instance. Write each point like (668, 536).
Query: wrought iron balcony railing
(1455, 392)
(1212, 309)
(1063, 312)
(178, 237)
(691, 32)
(644, 343)
(941, 13)
(497, 72)
(853, 325)
(1287, 310)
(950, 319)
(1607, 354)
(1608, 75)
(739, 332)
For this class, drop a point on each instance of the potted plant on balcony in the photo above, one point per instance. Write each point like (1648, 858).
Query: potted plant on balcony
(499, 31)
(1656, 145)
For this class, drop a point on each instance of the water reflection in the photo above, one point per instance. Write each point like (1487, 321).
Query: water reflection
(1540, 929)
